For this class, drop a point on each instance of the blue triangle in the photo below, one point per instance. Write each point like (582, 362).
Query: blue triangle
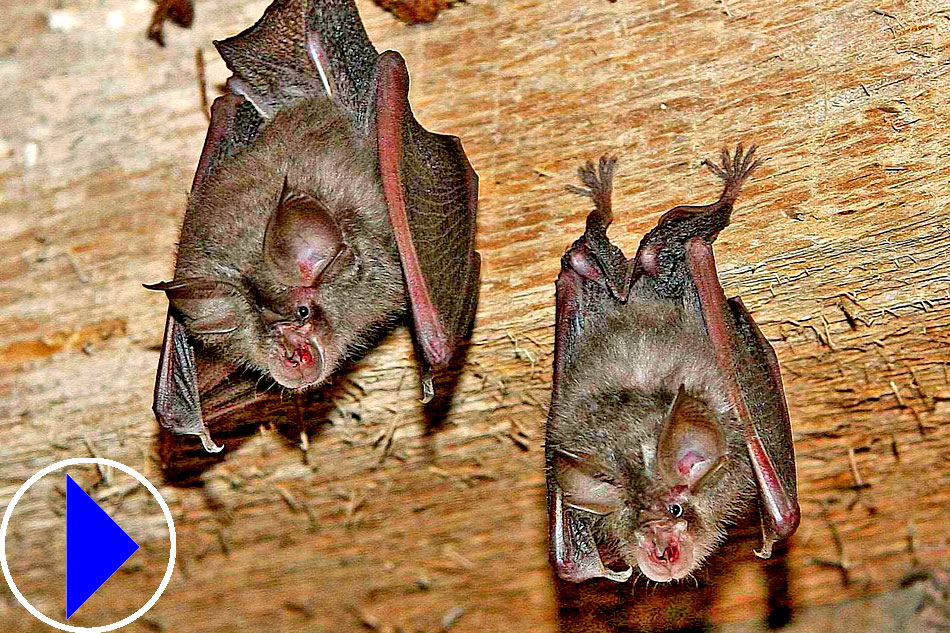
(95, 547)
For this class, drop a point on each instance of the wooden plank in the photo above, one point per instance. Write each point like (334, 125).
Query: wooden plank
(838, 248)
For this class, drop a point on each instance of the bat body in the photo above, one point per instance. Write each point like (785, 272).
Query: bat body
(668, 418)
(320, 213)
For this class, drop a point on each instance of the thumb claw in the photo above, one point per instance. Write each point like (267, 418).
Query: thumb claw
(208, 443)
(428, 388)
(766, 551)
(618, 576)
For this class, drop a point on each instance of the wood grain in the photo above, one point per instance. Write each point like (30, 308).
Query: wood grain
(839, 248)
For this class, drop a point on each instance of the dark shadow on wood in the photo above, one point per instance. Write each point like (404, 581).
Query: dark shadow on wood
(182, 456)
(779, 598)
(444, 382)
(437, 410)
(603, 606)
(642, 606)
(235, 408)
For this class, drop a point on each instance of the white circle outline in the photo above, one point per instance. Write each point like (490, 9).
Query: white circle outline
(74, 462)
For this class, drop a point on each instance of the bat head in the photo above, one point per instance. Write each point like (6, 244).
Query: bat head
(222, 314)
(658, 508)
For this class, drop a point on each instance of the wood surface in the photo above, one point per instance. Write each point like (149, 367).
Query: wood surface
(379, 522)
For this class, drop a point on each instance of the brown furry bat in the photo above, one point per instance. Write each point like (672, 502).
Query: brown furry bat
(668, 417)
(320, 214)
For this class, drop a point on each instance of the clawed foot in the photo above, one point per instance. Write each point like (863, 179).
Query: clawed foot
(734, 170)
(593, 256)
(599, 188)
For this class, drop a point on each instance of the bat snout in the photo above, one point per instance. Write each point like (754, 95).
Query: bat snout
(663, 552)
(299, 358)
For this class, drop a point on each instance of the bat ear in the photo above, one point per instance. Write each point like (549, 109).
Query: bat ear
(208, 306)
(691, 446)
(582, 489)
(301, 240)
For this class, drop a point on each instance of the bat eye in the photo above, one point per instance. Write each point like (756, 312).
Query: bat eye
(675, 510)
(303, 313)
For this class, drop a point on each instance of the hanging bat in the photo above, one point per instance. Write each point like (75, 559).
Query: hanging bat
(668, 417)
(182, 13)
(320, 213)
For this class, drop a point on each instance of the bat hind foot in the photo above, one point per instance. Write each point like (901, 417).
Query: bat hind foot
(593, 257)
(734, 170)
(181, 12)
(598, 186)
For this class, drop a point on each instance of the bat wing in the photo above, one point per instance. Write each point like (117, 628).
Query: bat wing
(185, 375)
(752, 373)
(584, 299)
(234, 124)
(582, 304)
(760, 378)
(177, 404)
(300, 49)
(432, 194)
(679, 253)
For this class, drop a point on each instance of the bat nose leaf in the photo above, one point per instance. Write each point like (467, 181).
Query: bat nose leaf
(301, 240)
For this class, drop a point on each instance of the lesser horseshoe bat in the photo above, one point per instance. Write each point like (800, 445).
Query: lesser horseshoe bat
(321, 212)
(668, 415)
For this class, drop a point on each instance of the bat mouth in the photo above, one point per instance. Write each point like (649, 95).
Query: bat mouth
(668, 556)
(661, 555)
(299, 359)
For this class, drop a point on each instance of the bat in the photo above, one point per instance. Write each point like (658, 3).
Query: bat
(668, 417)
(182, 13)
(321, 213)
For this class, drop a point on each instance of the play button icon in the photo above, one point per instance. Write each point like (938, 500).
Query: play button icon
(96, 547)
